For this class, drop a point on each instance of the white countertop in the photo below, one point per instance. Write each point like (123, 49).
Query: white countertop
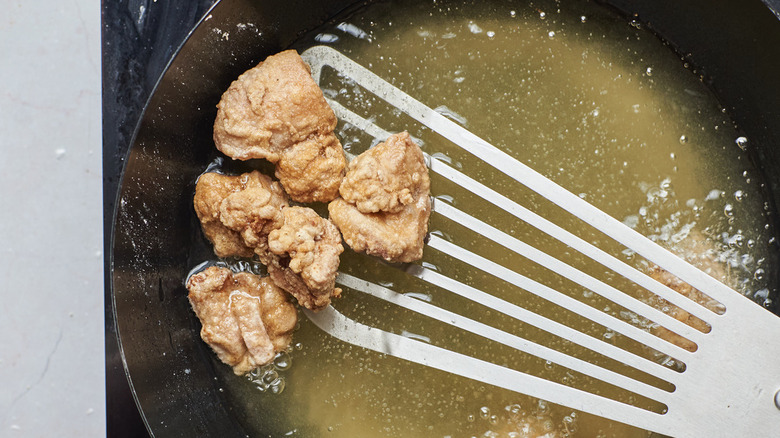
(51, 228)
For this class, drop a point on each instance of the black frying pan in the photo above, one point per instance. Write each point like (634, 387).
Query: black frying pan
(734, 44)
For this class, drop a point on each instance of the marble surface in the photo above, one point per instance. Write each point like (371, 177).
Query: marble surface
(51, 226)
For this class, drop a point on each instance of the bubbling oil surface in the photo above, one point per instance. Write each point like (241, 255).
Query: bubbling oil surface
(586, 98)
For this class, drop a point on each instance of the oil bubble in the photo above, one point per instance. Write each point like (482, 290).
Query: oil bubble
(515, 411)
(742, 142)
(569, 422)
(484, 412)
(282, 361)
(277, 386)
(735, 241)
(270, 377)
(683, 139)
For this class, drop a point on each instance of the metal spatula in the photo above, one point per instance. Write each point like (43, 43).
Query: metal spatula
(729, 386)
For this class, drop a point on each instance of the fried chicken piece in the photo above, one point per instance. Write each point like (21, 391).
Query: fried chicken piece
(312, 170)
(245, 319)
(396, 237)
(308, 248)
(277, 112)
(271, 107)
(696, 247)
(238, 212)
(387, 177)
(385, 203)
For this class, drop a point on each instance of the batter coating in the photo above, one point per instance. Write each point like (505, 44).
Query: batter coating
(385, 204)
(245, 319)
(273, 108)
(387, 177)
(312, 170)
(307, 247)
(238, 212)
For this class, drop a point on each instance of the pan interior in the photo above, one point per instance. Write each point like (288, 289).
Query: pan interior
(583, 96)
(575, 98)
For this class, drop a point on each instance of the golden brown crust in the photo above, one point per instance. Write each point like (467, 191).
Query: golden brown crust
(245, 319)
(271, 107)
(395, 237)
(238, 212)
(387, 177)
(385, 203)
(312, 170)
(307, 247)
(277, 112)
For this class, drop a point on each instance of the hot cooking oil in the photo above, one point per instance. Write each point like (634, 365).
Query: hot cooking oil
(589, 99)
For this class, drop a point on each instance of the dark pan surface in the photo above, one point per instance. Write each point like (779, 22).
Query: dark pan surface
(152, 228)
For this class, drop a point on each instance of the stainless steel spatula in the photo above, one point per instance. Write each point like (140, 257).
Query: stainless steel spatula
(729, 386)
